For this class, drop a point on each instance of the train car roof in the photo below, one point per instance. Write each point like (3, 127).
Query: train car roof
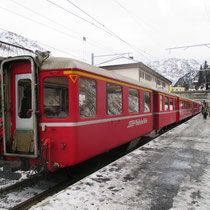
(53, 63)
(69, 63)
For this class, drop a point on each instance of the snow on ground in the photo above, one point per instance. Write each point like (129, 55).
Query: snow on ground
(7, 182)
(171, 172)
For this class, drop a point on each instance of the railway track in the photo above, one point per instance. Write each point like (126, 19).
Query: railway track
(37, 188)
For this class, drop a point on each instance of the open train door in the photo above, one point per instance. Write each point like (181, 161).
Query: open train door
(19, 106)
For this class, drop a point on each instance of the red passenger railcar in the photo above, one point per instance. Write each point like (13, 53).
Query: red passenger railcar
(165, 110)
(64, 111)
(58, 112)
(185, 108)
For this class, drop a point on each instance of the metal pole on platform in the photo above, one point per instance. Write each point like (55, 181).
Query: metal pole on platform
(92, 58)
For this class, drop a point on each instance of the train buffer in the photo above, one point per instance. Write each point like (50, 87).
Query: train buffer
(171, 172)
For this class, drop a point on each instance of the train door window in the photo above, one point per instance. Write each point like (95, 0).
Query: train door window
(24, 98)
(133, 100)
(113, 99)
(171, 103)
(166, 104)
(56, 97)
(161, 103)
(87, 97)
(147, 102)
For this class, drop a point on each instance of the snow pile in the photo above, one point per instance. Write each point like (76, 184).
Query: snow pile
(172, 172)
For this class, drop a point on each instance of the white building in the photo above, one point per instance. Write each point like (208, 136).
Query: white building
(141, 73)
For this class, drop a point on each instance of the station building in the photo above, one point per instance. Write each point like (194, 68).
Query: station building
(142, 73)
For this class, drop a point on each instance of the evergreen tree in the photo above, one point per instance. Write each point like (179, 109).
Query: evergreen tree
(204, 75)
(186, 86)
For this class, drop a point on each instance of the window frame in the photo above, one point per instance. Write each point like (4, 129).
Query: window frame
(67, 94)
(138, 97)
(109, 102)
(147, 92)
(96, 98)
(171, 106)
(161, 103)
(166, 97)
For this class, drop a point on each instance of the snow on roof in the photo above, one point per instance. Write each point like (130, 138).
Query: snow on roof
(68, 63)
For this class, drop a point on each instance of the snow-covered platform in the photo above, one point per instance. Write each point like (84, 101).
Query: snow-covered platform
(172, 172)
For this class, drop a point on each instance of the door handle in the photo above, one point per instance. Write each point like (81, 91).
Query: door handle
(28, 112)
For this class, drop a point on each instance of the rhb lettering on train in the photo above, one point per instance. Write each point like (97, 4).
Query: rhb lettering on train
(133, 123)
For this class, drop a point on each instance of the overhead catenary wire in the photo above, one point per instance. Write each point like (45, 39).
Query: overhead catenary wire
(51, 47)
(37, 23)
(74, 35)
(100, 26)
(188, 46)
(111, 32)
(16, 46)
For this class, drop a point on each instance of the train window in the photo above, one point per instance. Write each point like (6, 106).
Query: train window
(113, 99)
(24, 98)
(171, 103)
(56, 97)
(161, 103)
(166, 104)
(133, 100)
(174, 104)
(87, 97)
(147, 103)
(0, 102)
(181, 104)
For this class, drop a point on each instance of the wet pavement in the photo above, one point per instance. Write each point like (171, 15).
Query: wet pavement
(171, 172)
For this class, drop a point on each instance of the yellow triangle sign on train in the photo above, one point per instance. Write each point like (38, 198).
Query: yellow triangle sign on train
(73, 78)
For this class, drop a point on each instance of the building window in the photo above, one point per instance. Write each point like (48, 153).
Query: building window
(133, 100)
(87, 97)
(161, 103)
(163, 84)
(158, 82)
(166, 104)
(141, 74)
(56, 97)
(147, 106)
(113, 99)
(148, 77)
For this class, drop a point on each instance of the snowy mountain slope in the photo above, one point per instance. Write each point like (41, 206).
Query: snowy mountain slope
(188, 78)
(15, 39)
(173, 68)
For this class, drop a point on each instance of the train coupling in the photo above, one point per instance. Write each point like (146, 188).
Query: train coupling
(9, 168)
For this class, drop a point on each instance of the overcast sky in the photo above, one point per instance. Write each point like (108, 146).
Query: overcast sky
(77, 28)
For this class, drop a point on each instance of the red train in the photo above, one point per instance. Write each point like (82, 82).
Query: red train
(58, 112)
